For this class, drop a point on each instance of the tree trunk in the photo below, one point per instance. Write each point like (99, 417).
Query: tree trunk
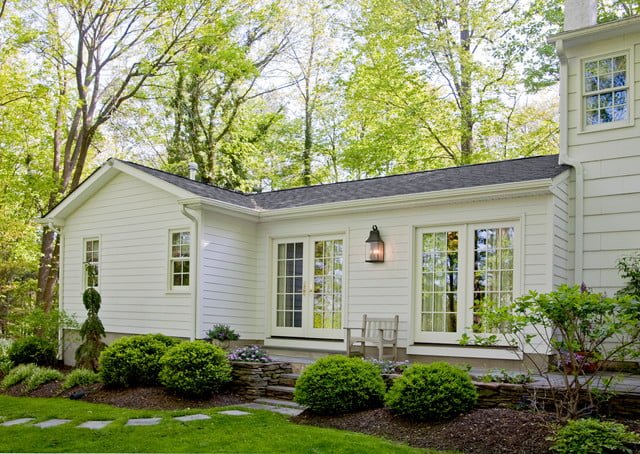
(308, 144)
(466, 101)
(48, 270)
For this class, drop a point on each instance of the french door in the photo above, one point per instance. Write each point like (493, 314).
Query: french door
(308, 290)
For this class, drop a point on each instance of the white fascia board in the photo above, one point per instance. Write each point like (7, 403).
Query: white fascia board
(494, 191)
(217, 206)
(597, 32)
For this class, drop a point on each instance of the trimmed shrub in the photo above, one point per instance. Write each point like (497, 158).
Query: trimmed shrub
(590, 436)
(337, 384)
(32, 350)
(41, 376)
(134, 360)
(433, 392)
(79, 377)
(17, 375)
(91, 331)
(195, 368)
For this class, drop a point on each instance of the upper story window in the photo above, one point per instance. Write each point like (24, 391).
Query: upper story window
(179, 259)
(606, 90)
(91, 262)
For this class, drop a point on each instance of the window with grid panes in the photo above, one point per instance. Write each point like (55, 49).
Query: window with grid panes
(179, 259)
(91, 262)
(606, 90)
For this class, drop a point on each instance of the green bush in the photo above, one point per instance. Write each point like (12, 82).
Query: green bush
(195, 368)
(34, 350)
(80, 377)
(5, 366)
(134, 360)
(590, 436)
(41, 376)
(337, 384)
(17, 375)
(91, 331)
(434, 392)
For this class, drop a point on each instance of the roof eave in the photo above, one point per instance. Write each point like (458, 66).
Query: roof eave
(597, 32)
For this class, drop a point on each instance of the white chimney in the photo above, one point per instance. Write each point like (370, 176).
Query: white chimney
(580, 14)
(193, 168)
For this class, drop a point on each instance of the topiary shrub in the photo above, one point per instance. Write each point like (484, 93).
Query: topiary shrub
(91, 332)
(195, 368)
(79, 377)
(433, 392)
(337, 384)
(32, 350)
(590, 436)
(134, 360)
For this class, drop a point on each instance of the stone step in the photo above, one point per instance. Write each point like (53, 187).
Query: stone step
(279, 403)
(288, 379)
(281, 392)
(288, 411)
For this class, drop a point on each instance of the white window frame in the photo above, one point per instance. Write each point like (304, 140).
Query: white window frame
(466, 233)
(86, 263)
(614, 124)
(171, 260)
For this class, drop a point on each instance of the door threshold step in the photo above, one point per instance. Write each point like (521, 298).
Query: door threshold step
(279, 403)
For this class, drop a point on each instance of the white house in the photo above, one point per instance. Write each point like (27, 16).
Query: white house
(288, 268)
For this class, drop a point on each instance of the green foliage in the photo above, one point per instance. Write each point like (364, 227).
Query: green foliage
(30, 320)
(32, 349)
(432, 392)
(221, 332)
(585, 329)
(134, 360)
(195, 368)
(91, 332)
(41, 376)
(80, 377)
(17, 375)
(629, 268)
(336, 384)
(590, 436)
(5, 363)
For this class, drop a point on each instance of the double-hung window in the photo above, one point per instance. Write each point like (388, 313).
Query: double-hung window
(606, 90)
(179, 259)
(91, 262)
(458, 267)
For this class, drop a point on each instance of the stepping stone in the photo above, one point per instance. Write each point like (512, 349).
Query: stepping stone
(51, 423)
(187, 418)
(143, 422)
(278, 403)
(15, 422)
(95, 425)
(274, 409)
(234, 413)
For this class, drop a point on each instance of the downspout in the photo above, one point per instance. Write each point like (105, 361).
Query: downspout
(577, 165)
(196, 260)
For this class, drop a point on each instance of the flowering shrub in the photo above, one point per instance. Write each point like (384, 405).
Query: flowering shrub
(389, 367)
(250, 353)
(222, 333)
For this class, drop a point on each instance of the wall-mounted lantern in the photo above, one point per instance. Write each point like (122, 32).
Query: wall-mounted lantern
(374, 246)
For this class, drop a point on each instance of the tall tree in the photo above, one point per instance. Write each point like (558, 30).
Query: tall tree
(101, 54)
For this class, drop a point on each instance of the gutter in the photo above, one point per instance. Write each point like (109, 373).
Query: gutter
(564, 158)
(196, 262)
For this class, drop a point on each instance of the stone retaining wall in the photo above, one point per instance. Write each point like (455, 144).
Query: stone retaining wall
(252, 379)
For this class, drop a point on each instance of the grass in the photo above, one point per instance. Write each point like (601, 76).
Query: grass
(261, 431)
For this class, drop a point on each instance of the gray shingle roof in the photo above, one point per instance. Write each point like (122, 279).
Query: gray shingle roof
(515, 170)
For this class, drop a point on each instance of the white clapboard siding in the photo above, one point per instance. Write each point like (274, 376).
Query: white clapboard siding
(229, 264)
(610, 159)
(132, 220)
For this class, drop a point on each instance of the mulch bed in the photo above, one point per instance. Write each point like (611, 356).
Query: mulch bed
(486, 431)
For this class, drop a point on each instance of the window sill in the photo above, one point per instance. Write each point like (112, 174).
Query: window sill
(178, 292)
(466, 351)
(605, 127)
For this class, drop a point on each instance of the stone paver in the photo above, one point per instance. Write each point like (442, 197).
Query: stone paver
(274, 409)
(187, 418)
(15, 422)
(143, 422)
(94, 425)
(278, 402)
(235, 413)
(51, 423)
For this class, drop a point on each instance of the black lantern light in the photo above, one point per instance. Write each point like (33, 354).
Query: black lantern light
(374, 246)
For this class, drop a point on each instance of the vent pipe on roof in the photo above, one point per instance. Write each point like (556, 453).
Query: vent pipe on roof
(193, 168)
(580, 14)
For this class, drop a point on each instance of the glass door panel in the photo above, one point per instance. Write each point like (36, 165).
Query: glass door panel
(327, 284)
(289, 285)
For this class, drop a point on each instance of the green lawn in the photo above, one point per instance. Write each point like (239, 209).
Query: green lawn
(260, 432)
